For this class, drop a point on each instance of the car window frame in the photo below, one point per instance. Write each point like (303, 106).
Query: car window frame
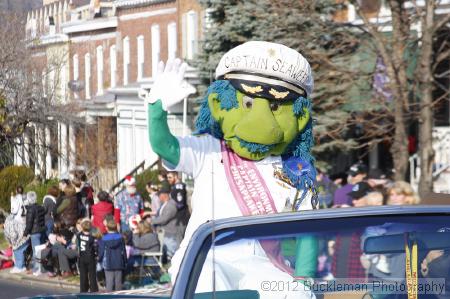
(201, 240)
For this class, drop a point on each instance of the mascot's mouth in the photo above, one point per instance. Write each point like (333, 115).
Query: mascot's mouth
(255, 147)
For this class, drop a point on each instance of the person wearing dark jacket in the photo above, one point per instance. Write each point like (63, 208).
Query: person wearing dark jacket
(85, 197)
(86, 190)
(178, 191)
(86, 262)
(67, 207)
(35, 223)
(112, 255)
(49, 203)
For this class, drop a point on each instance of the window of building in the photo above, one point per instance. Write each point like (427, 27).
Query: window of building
(140, 57)
(76, 74)
(172, 40)
(33, 26)
(113, 64)
(51, 24)
(190, 34)
(351, 13)
(87, 75)
(156, 48)
(75, 67)
(126, 59)
(99, 70)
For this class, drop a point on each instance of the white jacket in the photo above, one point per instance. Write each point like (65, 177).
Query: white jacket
(17, 207)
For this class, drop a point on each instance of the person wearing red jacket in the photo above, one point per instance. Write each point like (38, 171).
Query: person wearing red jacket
(101, 209)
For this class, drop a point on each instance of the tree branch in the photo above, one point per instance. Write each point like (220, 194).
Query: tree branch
(441, 57)
(442, 22)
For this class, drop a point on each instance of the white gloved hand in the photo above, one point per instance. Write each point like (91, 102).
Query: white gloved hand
(169, 85)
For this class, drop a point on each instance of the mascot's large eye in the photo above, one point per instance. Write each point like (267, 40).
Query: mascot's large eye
(274, 106)
(247, 101)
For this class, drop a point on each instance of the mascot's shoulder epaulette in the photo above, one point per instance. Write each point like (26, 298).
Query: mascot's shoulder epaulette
(300, 173)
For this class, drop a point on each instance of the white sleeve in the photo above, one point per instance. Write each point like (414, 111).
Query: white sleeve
(15, 205)
(193, 152)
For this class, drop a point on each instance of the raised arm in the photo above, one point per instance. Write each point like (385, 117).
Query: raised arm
(168, 89)
(163, 143)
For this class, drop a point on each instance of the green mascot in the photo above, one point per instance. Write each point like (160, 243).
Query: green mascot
(249, 156)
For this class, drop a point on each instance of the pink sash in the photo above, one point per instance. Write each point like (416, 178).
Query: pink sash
(253, 198)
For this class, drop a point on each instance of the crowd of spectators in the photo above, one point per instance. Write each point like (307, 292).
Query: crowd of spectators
(103, 236)
(100, 237)
(362, 187)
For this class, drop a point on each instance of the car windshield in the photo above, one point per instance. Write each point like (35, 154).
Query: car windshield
(331, 257)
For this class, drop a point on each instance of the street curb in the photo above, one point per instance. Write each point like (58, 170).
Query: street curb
(35, 281)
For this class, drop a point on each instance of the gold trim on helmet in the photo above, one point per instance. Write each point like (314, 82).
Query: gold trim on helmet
(278, 94)
(261, 79)
(251, 89)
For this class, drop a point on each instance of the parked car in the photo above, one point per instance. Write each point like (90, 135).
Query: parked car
(244, 255)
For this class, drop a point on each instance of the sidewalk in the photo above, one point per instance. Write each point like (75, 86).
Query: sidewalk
(41, 280)
(72, 285)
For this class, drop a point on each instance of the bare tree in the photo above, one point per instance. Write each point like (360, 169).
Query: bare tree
(414, 28)
(426, 75)
(31, 94)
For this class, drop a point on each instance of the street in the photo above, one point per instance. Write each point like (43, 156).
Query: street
(12, 289)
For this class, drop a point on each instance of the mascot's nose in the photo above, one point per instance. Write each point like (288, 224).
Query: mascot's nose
(259, 125)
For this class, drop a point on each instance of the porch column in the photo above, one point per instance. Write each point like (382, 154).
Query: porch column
(18, 152)
(38, 150)
(72, 148)
(15, 154)
(26, 150)
(62, 136)
(48, 155)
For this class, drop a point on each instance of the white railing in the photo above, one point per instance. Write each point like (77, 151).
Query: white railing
(441, 146)
(414, 171)
(441, 165)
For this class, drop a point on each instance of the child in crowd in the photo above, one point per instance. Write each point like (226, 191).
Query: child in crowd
(86, 262)
(112, 255)
(97, 234)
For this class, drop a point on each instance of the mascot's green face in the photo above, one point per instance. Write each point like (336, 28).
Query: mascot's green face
(256, 128)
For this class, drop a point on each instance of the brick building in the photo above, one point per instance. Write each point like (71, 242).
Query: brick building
(108, 50)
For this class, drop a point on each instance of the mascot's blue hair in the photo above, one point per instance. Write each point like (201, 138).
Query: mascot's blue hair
(298, 163)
